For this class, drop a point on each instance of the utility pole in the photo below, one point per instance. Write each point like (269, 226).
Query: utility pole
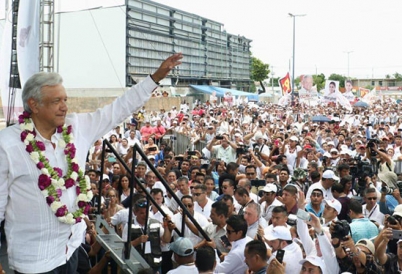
(294, 48)
(348, 53)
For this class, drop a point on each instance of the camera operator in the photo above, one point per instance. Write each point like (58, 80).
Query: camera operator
(355, 258)
(390, 260)
(225, 150)
(384, 162)
(390, 193)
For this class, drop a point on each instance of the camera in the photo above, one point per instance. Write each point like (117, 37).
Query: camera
(241, 150)
(392, 220)
(370, 145)
(173, 138)
(219, 137)
(389, 190)
(341, 229)
(191, 153)
(258, 183)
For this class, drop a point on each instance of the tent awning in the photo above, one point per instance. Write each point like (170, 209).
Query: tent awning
(220, 92)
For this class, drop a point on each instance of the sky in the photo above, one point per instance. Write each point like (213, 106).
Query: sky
(368, 29)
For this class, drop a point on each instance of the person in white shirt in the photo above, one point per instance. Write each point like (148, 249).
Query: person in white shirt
(328, 179)
(202, 204)
(41, 233)
(183, 251)
(269, 201)
(177, 221)
(371, 209)
(280, 238)
(236, 231)
(157, 195)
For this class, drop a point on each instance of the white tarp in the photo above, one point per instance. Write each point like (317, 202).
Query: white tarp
(27, 52)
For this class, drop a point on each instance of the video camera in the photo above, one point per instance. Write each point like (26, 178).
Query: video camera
(370, 144)
(389, 190)
(341, 229)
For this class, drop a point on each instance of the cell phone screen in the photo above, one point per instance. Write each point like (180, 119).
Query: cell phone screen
(279, 255)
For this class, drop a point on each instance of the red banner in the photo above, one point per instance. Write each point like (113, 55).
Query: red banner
(285, 84)
(363, 92)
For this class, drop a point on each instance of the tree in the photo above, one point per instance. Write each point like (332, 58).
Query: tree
(388, 76)
(319, 81)
(259, 71)
(398, 76)
(338, 77)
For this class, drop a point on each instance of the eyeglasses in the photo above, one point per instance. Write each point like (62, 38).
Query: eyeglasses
(228, 231)
(189, 205)
(197, 194)
(225, 187)
(250, 174)
(372, 198)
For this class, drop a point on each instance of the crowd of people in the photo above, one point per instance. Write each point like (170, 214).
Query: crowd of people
(273, 189)
(277, 190)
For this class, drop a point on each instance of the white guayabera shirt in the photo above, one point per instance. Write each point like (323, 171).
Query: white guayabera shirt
(36, 239)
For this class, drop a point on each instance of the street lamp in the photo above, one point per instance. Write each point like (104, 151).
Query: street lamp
(294, 40)
(348, 52)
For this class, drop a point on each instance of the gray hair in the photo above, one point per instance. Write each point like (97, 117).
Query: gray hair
(256, 207)
(32, 88)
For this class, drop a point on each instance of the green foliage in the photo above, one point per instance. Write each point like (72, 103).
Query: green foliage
(319, 81)
(370, 87)
(259, 70)
(398, 76)
(388, 76)
(338, 77)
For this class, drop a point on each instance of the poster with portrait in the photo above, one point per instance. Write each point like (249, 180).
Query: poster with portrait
(308, 93)
(330, 92)
(348, 94)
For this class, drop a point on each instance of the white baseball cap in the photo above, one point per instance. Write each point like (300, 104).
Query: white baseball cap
(270, 188)
(294, 138)
(315, 260)
(329, 174)
(335, 204)
(278, 233)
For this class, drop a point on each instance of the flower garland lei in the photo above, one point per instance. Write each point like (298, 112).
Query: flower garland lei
(52, 182)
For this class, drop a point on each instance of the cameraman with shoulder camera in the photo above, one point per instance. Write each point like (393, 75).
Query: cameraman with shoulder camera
(390, 192)
(385, 163)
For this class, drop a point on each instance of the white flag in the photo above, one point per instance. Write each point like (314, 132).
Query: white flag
(28, 39)
(27, 52)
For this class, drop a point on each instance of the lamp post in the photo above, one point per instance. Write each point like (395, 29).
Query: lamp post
(294, 48)
(348, 52)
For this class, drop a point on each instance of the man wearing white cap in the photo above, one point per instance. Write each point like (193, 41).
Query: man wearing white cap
(313, 265)
(331, 211)
(280, 238)
(328, 179)
(269, 201)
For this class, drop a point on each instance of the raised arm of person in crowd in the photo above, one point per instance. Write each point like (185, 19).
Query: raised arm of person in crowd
(248, 137)
(302, 229)
(211, 144)
(381, 245)
(327, 250)
(257, 161)
(231, 143)
(383, 155)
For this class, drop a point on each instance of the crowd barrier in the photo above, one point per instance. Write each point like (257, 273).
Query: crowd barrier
(180, 143)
